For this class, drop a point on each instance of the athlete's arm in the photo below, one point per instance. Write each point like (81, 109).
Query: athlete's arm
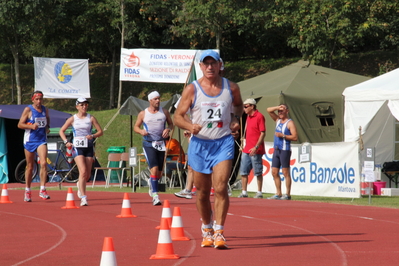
(294, 135)
(24, 117)
(139, 122)
(97, 126)
(170, 127)
(186, 101)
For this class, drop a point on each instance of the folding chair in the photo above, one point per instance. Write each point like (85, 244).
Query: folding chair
(178, 172)
(125, 158)
(112, 157)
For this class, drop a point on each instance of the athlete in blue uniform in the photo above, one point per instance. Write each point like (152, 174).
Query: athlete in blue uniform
(83, 143)
(285, 132)
(211, 151)
(154, 132)
(35, 120)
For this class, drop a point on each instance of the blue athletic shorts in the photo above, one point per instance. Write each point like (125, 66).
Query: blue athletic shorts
(206, 154)
(153, 156)
(251, 162)
(281, 159)
(31, 146)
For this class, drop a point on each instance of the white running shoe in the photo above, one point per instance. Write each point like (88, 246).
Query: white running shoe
(155, 200)
(184, 194)
(83, 202)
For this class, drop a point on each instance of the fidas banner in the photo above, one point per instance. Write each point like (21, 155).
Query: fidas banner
(62, 78)
(158, 65)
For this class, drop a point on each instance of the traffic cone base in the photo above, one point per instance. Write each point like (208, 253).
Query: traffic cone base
(177, 230)
(165, 247)
(108, 255)
(166, 214)
(126, 211)
(70, 203)
(4, 195)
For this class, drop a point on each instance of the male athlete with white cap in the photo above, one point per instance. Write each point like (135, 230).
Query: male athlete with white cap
(154, 132)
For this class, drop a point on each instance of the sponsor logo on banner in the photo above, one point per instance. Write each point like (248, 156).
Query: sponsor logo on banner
(157, 65)
(62, 77)
(320, 177)
(63, 72)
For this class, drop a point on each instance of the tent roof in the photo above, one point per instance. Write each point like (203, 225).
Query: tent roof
(364, 100)
(57, 118)
(299, 79)
(313, 94)
(384, 87)
(133, 105)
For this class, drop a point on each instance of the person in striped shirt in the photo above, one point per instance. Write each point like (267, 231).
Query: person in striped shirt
(285, 132)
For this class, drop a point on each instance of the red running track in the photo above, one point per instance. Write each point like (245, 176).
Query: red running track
(258, 231)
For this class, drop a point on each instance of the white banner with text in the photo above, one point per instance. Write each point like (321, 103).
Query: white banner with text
(158, 65)
(62, 78)
(333, 171)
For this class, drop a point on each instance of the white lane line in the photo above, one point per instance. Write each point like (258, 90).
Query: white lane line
(344, 259)
(63, 236)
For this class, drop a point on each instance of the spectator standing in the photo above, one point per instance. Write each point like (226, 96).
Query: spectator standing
(211, 149)
(35, 120)
(154, 132)
(254, 149)
(285, 132)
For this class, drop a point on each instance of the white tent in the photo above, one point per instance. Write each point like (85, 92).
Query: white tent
(373, 106)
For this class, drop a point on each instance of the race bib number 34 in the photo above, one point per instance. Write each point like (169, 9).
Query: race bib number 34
(213, 111)
(80, 142)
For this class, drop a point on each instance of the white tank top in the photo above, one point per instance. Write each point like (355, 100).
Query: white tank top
(213, 113)
(154, 124)
(81, 127)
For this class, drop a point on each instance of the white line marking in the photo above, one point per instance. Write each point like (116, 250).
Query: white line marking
(63, 236)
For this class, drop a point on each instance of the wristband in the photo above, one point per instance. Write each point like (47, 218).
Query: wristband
(65, 141)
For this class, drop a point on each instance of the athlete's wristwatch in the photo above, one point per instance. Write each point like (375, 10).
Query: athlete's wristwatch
(283, 136)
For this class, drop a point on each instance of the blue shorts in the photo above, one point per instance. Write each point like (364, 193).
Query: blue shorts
(281, 159)
(153, 156)
(31, 146)
(249, 162)
(206, 154)
(86, 152)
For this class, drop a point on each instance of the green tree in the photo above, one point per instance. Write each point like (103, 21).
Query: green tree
(204, 23)
(16, 27)
(320, 29)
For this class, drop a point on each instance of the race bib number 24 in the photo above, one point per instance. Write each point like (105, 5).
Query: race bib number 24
(213, 111)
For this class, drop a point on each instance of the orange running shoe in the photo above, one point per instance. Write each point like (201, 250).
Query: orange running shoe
(207, 237)
(219, 240)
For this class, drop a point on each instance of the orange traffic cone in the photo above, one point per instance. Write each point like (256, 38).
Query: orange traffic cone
(176, 230)
(70, 203)
(165, 247)
(126, 211)
(4, 195)
(108, 256)
(166, 213)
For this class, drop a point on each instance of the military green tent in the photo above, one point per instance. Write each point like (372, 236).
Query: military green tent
(313, 95)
